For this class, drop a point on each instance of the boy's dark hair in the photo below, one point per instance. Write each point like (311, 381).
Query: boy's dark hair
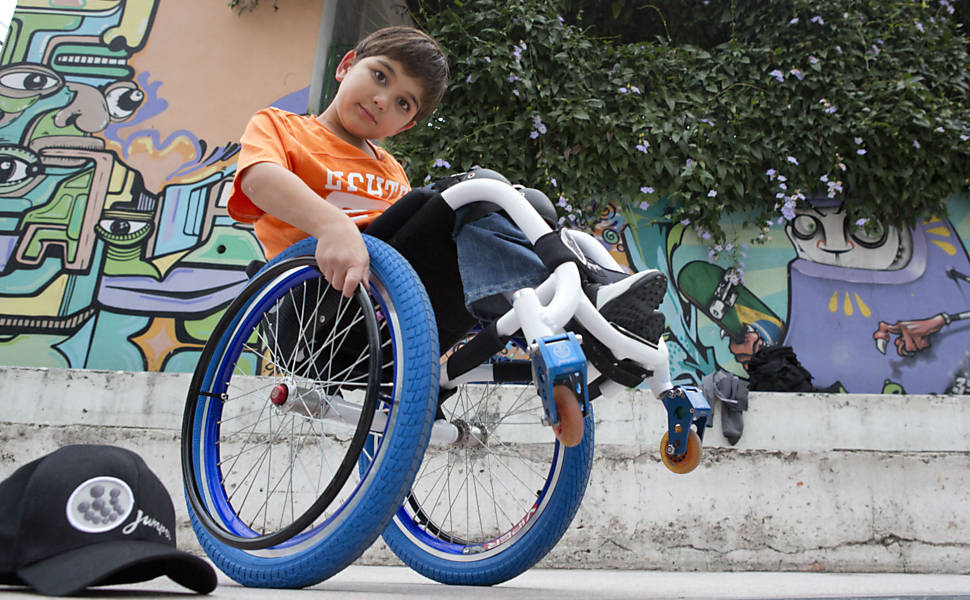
(420, 55)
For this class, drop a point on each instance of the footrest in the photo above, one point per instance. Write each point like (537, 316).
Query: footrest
(685, 406)
(558, 360)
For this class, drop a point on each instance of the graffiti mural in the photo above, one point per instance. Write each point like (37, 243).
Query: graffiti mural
(116, 251)
(877, 310)
(98, 270)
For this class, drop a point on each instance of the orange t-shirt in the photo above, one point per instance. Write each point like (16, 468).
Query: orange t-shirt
(362, 186)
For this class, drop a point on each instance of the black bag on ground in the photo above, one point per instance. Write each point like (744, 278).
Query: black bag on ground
(776, 369)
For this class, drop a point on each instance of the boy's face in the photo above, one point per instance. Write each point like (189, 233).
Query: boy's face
(376, 98)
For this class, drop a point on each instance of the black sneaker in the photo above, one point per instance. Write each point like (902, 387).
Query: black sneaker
(631, 303)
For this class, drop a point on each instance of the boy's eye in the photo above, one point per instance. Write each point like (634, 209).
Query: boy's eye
(404, 104)
(379, 76)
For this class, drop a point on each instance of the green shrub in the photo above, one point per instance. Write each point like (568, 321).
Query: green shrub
(737, 111)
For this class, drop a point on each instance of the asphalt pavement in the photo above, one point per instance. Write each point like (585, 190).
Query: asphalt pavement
(366, 582)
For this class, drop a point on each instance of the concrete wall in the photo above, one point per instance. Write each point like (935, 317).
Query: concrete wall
(839, 483)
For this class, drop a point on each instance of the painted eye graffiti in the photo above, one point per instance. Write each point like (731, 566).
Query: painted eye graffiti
(123, 101)
(28, 80)
(17, 166)
(805, 227)
(120, 230)
(871, 237)
(14, 170)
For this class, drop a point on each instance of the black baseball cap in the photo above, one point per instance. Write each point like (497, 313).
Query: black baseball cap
(91, 515)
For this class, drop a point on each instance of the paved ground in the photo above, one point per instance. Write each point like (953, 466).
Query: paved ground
(359, 582)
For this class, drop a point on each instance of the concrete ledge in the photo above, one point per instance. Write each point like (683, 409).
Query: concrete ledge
(840, 483)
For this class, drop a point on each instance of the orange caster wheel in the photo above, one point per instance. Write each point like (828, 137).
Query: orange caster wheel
(686, 462)
(569, 429)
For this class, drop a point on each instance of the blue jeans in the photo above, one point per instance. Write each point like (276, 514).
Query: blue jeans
(494, 257)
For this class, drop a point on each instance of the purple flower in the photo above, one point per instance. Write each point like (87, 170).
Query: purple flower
(792, 160)
(712, 194)
(440, 162)
(830, 109)
(857, 140)
(553, 181)
(685, 222)
(920, 27)
(916, 144)
(488, 59)
(635, 89)
(777, 75)
(818, 19)
(646, 189)
(860, 151)
(643, 147)
(623, 90)
(861, 222)
(539, 125)
(468, 79)
(813, 60)
(771, 173)
(793, 21)
(797, 74)
(644, 205)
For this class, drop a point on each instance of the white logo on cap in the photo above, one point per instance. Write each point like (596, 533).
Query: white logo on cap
(99, 504)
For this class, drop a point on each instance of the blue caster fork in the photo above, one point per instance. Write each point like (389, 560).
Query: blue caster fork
(559, 360)
(680, 448)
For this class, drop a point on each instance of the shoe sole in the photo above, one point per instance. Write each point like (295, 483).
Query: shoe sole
(636, 309)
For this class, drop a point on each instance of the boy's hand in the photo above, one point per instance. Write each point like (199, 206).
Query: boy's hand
(342, 256)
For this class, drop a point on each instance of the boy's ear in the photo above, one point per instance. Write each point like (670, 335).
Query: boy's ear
(344, 66)
(406, 127)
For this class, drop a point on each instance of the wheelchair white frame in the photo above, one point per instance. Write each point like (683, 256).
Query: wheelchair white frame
(545, 310)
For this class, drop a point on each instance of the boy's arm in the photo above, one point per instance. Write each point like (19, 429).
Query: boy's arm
(341, 253)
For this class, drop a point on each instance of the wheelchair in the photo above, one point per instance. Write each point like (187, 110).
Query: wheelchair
(315, 423)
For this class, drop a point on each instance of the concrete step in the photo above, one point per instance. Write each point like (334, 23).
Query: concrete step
(839, 483)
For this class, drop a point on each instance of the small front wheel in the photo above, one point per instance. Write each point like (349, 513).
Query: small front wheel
(686, 462)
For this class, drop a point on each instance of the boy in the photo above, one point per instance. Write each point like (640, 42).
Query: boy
(302, 175)
(322, 172)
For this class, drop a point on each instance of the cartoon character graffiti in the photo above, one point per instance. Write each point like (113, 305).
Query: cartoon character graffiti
(95, 269)
(847, 286)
